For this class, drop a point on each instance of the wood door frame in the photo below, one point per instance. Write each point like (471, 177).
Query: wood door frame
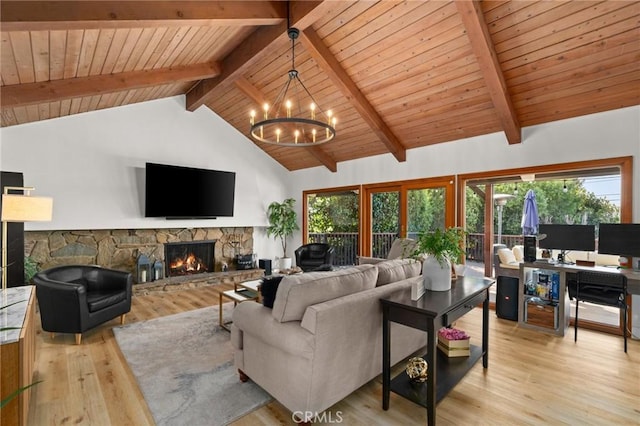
(446, 182)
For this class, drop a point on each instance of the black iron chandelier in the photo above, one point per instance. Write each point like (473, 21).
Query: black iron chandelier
(285, 122)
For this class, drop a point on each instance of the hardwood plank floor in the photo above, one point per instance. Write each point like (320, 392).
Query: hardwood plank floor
(533, 378)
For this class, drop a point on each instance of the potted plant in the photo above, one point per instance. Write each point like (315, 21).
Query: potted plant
(282, 223)
(442, 249)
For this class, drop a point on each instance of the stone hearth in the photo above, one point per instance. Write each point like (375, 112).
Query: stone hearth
(119, 248)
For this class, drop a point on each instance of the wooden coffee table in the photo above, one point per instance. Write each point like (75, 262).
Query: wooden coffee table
(242, 292)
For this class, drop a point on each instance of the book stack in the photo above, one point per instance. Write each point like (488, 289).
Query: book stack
(453, 342)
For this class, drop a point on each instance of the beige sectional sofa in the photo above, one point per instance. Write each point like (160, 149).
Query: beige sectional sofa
(323, 339)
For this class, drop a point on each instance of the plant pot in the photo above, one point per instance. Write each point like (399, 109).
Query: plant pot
(436, 277)
(285, 263)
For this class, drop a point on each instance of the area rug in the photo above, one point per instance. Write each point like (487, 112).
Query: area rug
(184, 366)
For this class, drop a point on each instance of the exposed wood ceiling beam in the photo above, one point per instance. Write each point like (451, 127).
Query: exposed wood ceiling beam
(255, 95)
(67, 15)
(473, 20)
(330, 65)
(254, 47)
(55, 90)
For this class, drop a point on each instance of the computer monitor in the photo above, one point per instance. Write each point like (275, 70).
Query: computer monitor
(567, 237)
(622, 239)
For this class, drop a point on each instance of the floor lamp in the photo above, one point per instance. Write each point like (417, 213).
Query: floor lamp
(21, 208)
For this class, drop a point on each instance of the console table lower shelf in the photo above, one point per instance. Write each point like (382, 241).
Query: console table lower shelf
(449, 372)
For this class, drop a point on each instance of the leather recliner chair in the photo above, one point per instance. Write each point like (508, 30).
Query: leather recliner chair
(76, 298)
(314, 256)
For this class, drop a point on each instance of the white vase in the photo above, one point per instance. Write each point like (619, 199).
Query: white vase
(285, 263)
(435, 276)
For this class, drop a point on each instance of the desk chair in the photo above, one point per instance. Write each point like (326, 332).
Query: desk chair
(604, 289)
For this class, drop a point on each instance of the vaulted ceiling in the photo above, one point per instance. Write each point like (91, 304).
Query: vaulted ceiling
(398, 74)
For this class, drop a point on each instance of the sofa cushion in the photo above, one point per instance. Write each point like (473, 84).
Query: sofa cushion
(268, 289)
(518, 252)
(101, 299)
(297, 292)
(397, 270)
(507, 257)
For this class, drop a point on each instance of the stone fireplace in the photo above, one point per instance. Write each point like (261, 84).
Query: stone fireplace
(189, 257)
(120, 248)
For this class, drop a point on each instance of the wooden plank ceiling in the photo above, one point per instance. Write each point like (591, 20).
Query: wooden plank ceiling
(397, 74)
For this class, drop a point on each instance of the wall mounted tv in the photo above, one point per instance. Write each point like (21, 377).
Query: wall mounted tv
(567, 237)
(175, 192)
(622, 239)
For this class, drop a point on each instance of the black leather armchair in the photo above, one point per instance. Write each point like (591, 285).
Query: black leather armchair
(76, 298)
(314, 256)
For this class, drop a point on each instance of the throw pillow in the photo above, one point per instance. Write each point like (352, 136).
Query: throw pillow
(506, 256)
(518, 252)
(269, 288)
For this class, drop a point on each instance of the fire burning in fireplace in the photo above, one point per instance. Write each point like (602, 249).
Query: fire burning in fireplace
(190, 264)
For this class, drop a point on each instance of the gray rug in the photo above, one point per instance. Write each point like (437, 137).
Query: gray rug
(184, 366)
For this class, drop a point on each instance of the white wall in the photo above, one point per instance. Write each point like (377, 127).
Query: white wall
(92, 164)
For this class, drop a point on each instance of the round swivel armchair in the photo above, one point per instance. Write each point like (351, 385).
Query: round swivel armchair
(76, 298)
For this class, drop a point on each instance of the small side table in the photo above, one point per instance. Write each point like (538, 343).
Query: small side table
(242, 292)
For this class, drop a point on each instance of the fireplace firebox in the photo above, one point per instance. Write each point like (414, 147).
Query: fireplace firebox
(189, 257)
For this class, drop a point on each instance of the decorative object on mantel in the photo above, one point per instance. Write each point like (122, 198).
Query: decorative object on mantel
(453, 342)
(442, 249)
(143, 269)
(158, 270)
(21, 208)
(289, 125)
(282, 222)
(417, 369)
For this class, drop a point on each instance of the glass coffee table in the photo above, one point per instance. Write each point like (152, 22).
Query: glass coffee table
(242, 292)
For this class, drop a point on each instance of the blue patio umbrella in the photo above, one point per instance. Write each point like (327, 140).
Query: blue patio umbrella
(530, 219)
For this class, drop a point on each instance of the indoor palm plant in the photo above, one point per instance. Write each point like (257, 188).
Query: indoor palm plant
(439, 249)
(282, 223)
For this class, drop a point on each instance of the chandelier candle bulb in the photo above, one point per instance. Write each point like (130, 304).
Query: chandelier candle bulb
(266, 112)
(313, 111)
(253, 116)
(313, 133)
(296, 134)
(288, 109)
(278, 135)
(329, 114)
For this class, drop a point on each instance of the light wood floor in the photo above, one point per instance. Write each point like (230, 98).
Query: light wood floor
(533, 378)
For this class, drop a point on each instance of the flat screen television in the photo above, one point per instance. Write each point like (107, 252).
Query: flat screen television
(175, 192)
(622, 239)
(567, 237)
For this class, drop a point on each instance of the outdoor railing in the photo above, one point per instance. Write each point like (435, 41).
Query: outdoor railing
(345, 244)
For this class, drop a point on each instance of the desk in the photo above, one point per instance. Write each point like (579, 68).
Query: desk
(435, 309)
(565, 270)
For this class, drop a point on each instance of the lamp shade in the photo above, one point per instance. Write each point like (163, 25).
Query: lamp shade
(24, 208)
